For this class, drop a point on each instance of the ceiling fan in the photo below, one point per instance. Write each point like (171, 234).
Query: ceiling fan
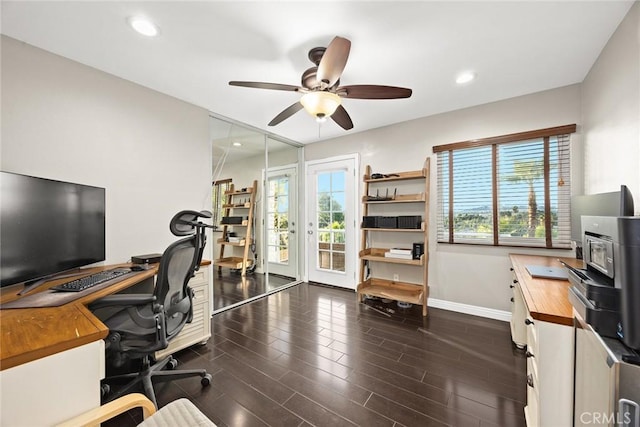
(321, 88)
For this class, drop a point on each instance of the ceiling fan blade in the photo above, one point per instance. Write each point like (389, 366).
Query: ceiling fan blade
(333, 61)
(286, 113)
(373, 92)
(262, 85)
(341, 117)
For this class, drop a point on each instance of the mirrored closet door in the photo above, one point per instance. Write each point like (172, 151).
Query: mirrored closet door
(255, 213)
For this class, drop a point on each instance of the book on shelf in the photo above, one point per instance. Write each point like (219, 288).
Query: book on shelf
(400, 251)
(399, 256)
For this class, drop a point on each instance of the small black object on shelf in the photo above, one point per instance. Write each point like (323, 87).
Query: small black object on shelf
(381, 175)
(410, 222)
(146, 259)
(231, 220)
(418, 250)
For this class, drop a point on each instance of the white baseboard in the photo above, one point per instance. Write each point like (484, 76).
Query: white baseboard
(490, 313)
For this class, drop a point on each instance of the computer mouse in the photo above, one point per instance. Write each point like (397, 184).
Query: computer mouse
(137, 268)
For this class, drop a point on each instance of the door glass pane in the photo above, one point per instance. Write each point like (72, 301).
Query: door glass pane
(330, 220)
(278, 219)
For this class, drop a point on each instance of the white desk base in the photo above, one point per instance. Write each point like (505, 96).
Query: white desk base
(53, 389)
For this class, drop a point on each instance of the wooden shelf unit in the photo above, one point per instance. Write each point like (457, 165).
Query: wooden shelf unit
(378, 254)
(242, 242)
(398, 230)
(414, 293)
(234, 262)
(400, 198)
(247, 208)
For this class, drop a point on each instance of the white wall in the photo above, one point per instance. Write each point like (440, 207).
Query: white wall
(461, 273)
(63, 120)
(611, 112)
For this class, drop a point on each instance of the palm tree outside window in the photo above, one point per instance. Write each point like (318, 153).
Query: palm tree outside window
(511, 190)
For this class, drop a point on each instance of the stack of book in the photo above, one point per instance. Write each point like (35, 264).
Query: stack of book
(399, 253)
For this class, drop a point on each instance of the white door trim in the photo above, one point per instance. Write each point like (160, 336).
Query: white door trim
(355, 206)
(295, 209)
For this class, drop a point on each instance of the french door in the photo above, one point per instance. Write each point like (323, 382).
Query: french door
(331, 221)
(281, 221)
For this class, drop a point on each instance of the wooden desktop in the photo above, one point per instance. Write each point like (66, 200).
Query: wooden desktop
(47, 352)
(32, 333)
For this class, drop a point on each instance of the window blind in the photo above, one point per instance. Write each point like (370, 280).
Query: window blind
(506, 191)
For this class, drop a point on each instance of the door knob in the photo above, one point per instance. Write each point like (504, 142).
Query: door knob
(310, 232)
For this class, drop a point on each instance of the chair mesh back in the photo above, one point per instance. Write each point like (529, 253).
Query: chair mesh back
(176, 268)
(178, 264)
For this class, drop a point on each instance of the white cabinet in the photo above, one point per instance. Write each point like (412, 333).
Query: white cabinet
(595, 380)
(518, 314)
(199, 330)
(52, 389)
(542, 322)
(549, 374)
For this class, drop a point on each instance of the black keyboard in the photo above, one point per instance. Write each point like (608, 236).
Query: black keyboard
(90, 281)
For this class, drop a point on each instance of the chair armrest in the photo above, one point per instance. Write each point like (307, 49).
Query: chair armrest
(122, 300)
(109, 410)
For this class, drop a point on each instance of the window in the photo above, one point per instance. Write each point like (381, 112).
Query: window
(511, 190)
(218, 200)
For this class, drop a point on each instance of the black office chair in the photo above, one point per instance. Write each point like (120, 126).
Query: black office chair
(141, 324)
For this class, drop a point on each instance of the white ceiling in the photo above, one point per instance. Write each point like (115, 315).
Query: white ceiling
(514, 47)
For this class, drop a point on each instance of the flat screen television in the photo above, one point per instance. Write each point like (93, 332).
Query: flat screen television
(47, 227)
(616, 203)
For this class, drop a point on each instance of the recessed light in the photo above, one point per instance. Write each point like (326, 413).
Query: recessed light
(465, 77)
(237, 144)
(144, 26)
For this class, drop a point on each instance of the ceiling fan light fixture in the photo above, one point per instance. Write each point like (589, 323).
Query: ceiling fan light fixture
(320, 104)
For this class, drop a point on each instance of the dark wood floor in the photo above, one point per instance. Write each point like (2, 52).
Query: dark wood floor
(230, 288)
(310, 355)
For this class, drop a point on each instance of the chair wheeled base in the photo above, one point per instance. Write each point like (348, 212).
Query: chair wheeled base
(150, 373)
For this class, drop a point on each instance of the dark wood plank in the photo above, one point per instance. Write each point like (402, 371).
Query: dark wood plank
(315, 414)
(259, 404)
(335, 402)
(225, 411)
(312, 356)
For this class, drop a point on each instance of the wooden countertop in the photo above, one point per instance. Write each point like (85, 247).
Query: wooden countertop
(547, 299)
(28, 334)
(32, 333)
